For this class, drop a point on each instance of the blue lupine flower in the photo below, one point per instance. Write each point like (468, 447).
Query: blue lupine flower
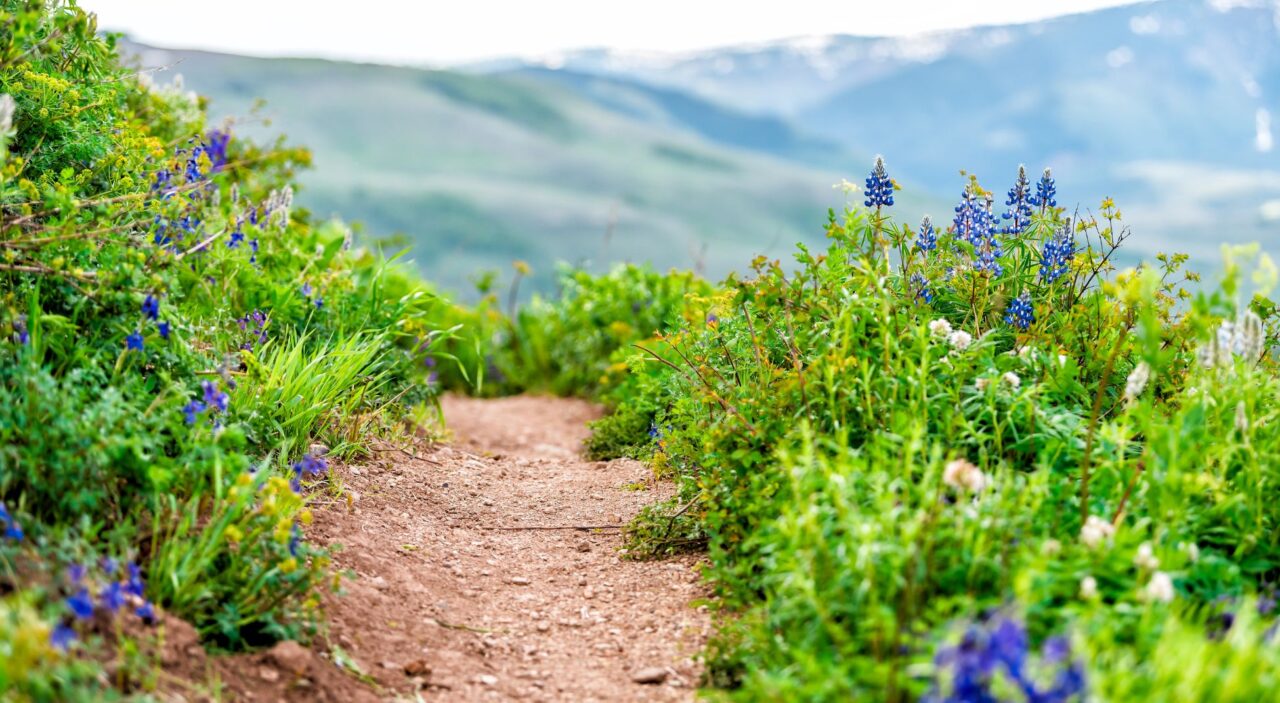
(984, 237)
(75, 573)
(237, 238)
(193, 172)
(879, 186)
(81, 604)
(963, 224)
(306, 290)
(295, 539)
(654, 431)
(109, 565)
(712, 319)
(253, 247)
(163, 181)
(1002, 649)
(134, 585)
(163, 327)
(318, 301)
(213, 396)
(147, 612)
(62, 637)
(112, 597)
(310, 466)
(12, 530)
(20, 333)
(1057, 254)
(1020, 313)
(151, 307)
(920, 285)
(1019, 202)
(162, 226)
(215, 147)
(926, 238)
(1046, 192)
(134, 341)
(192, 410)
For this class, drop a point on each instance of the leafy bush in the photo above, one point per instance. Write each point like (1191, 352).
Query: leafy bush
(572, 344)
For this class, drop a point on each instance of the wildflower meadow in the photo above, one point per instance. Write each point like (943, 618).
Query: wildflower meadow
(966, 458)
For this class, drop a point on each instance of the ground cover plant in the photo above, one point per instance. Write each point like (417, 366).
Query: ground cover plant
(182, 353)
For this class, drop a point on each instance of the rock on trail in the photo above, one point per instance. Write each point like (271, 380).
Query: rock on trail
(449, 605)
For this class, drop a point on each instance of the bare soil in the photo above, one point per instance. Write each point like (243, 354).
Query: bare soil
(457, 598)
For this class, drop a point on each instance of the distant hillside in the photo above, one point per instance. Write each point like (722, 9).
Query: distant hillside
(476, 171)
(1173, 107)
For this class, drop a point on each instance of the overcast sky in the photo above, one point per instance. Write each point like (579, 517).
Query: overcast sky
(436, 32)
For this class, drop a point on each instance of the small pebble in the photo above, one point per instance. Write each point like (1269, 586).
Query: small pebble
(650, 675)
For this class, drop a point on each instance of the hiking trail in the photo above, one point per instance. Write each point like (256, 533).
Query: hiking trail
(451, 601)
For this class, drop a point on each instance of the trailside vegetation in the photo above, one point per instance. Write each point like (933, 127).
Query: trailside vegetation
(182, 351)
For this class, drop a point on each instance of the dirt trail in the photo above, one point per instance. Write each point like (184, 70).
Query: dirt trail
(495, 614)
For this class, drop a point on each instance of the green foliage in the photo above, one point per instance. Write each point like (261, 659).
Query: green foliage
(574, 343)
(168, 322)
(871, 467)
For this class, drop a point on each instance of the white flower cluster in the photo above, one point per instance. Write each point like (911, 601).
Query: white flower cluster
(7, 109)
(1137, 381)
(1160, 588)
(1146, 558)
(1096, 531)
(962, 474)
(1242, 338)
(278, 204)
(957, 338)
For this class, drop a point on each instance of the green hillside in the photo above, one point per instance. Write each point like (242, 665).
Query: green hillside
(475, 171)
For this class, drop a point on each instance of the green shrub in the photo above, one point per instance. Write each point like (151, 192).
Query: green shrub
(916, 429)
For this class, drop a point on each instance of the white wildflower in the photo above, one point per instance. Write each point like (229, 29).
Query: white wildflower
(1249, 339)
(1062, 360)
(847, 186)
(1193, 552)
(1242, 418)
(940, 328)
(1137, 381)
(7, 109)
(1012, 379)
(1088, 588)
(982, 383)
(960, 339)
(1025, 351)
(1146, 559)
(1160, 588)
(962, 474)
(1096, 531)
(1051, 547)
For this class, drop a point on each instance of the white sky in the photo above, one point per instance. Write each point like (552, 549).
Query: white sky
(443, 32)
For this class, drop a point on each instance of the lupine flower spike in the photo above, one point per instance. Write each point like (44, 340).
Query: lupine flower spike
(926, 238)
(1046, 192)
(1019, 203)
(879, 186)
(1020, 313)
(12, 530)
(1058, 253)
(151, 307)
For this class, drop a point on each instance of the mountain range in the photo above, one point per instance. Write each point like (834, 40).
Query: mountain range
(706, 158)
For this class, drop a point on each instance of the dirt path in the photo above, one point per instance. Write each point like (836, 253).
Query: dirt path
(495, 614)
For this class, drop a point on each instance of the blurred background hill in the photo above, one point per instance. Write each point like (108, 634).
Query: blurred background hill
(702, 159)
